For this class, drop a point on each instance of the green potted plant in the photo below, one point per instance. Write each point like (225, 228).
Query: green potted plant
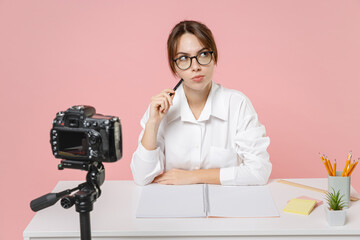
(335, 212)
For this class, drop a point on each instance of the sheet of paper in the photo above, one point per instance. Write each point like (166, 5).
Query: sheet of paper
(241, 201)
(168, 201)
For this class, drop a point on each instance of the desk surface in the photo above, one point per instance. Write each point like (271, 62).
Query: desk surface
(113, 217)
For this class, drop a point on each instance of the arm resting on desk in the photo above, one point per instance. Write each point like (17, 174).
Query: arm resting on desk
(182, 177)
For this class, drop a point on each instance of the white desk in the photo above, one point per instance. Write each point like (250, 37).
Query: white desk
(113, 217)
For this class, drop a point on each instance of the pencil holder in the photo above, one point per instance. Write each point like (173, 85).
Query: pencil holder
(340, 183)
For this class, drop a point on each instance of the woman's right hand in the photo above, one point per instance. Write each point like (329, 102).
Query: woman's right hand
(160, 105)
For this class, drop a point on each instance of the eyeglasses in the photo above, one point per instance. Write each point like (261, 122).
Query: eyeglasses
(203, 58)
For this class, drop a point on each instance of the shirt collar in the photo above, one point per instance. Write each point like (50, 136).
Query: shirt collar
(215, 106)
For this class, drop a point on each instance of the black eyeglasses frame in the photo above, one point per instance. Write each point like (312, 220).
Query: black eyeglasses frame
(191, 58)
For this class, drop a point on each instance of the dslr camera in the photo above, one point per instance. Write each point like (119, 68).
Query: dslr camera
(83, 140)
(81, 135)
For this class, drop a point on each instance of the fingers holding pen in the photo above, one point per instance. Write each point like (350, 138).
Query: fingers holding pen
(169, 94)
(168, 100)
(161, 103)
(165, 105)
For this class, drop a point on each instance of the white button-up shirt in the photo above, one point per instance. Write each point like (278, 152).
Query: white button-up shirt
(227, 135)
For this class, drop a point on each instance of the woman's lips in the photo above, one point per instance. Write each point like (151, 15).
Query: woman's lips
(198, 78)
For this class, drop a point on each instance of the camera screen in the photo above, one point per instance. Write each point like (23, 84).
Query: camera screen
(72, 143)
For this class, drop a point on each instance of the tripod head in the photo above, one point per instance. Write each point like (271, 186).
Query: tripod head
(91, 188)
(83, 199)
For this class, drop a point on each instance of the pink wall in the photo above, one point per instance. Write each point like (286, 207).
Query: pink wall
(298, 62)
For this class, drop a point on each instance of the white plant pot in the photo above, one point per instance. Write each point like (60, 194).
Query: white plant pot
(335, 218)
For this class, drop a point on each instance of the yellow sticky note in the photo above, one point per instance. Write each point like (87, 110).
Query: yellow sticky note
(300, 206)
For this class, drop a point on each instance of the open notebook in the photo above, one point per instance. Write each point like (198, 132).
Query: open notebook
(205, 200)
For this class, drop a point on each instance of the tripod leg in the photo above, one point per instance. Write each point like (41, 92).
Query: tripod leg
(85, 229)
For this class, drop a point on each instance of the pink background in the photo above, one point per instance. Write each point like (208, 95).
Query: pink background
(298, 62)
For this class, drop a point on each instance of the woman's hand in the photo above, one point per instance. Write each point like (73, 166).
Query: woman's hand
(176, 177)
(160, 105)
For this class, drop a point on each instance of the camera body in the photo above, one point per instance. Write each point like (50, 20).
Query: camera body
(82, 135)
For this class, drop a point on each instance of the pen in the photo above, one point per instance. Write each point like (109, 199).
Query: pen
(176, 87)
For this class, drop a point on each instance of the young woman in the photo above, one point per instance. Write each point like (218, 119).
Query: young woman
(203, 133)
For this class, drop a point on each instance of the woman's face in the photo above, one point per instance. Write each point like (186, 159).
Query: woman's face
(197, 77)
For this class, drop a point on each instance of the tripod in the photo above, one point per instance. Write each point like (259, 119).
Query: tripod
(83, 199)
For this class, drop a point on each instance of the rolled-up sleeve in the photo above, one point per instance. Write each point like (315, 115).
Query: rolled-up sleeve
(147, 164)
(251, 144)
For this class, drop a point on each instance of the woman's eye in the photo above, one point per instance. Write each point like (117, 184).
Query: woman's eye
(204, 54)
(183, 58)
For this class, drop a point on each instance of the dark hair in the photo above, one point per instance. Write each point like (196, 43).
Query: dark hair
(201, 31)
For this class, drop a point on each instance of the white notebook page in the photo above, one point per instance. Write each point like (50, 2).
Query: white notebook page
(241, 201)
(167, 201)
